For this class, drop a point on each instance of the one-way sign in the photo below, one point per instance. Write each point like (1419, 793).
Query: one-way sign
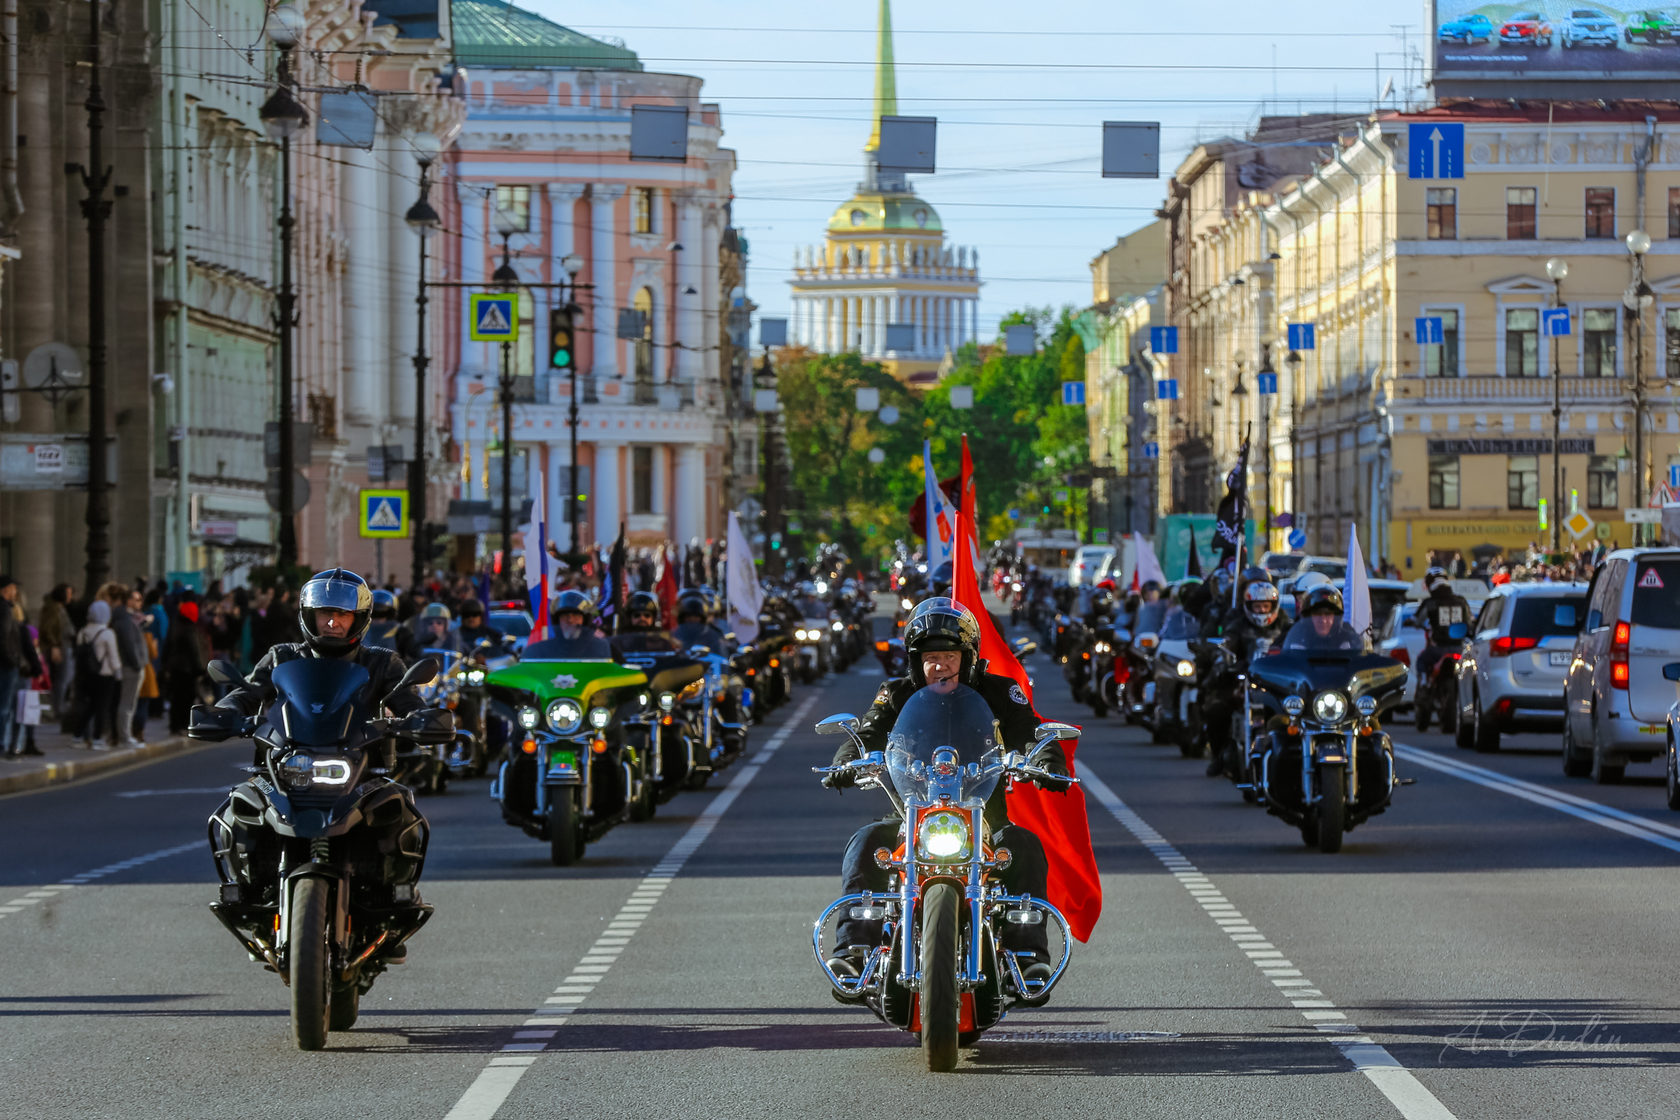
(1434, 151)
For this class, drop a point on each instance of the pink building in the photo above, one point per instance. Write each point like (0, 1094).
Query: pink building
(544, 153)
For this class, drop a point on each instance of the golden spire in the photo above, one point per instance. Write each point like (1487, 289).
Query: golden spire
(886, 83)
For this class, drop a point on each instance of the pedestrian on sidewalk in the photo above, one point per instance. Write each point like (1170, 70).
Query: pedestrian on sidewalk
(34, 680)
(58, 640)
(131, 650)
(12, 660)
(186, 653)
(149, 691)
(98, 679)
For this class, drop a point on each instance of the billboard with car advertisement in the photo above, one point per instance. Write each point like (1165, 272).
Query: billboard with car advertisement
(1555, 40)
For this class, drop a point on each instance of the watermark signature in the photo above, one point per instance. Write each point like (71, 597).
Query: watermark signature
(1529, 1031)
(1080, 1036)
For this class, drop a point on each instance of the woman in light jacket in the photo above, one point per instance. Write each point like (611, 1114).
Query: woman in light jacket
(98, 691)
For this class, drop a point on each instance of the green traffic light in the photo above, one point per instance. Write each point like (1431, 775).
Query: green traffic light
(562, 359)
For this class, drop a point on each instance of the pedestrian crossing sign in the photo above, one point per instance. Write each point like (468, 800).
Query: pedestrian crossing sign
(495, 317)
(384, 513)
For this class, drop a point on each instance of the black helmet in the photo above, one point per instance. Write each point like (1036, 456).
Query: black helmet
(941, 579)
(471, 608)
(384, 604)
(1434, 577)
(938, 624)
(1260, 602)
(1326, 595)
(642, 602)
(1252, 574)
(572, 602)
(691, 604)
(335, 589)
(1102, 601)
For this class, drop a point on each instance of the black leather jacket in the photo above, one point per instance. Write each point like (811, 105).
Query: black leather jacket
(385, 668)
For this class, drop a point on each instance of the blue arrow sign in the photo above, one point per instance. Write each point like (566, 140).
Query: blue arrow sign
(1268, 384)
(1674, 477)
(1073, 392)
(1151, 450)
(1163, 340)
(1434, 150)
(1166, 389)
(1430, 331)
(1297, 539)
(1014, 515)
(1554, 322)
(1302, 336)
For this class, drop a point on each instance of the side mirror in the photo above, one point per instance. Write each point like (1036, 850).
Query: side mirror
(1056, 731)
(1671, 671)
(698, 652)
(1563, 616)
(224, 672)
(839, 724)
(422, 670)
(214, 725)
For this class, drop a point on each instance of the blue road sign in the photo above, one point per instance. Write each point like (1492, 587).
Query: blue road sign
(1430, 331)
(1073, 392)
(1674, 477)
(1554, 322)
(1014, 515)
(1151, 450)
(1297, 539)
(1268, 384)
(1302, 336)
(1166, 389)
(1163, 340)
(495, 317)
(1434, 150)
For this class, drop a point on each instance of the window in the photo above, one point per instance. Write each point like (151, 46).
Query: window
(1522, 343)
(1601, 212)
(1520, 209)
(642, 305)
(641, 480)
(1443, 213)
(1674, 211)
(1601, 482)
(1443, 482)
(1671, 340)
(1442, 360)
(641, 210)
(1598, 342)
(513, 207)
(1522, 482)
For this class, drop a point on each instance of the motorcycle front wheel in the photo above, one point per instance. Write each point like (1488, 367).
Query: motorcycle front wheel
(564, 847)
(308, 952)
(941, 1000)
(1332, 807)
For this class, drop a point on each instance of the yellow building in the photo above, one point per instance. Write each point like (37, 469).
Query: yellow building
(885, 264)
(1445, 441)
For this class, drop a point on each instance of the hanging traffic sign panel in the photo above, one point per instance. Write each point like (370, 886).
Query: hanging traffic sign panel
(383, 513)
(495, 317)
(1430, 330)
(1268, 384)
(1555, 321)
(1302, 336)
(1166, 389)
(1163, 340)
(1151, 450)
(1073, 392)
(1434, 150)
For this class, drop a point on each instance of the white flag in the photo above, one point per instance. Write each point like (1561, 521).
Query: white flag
(1148, 564)
(536, 539)
(1356, 588)
(741, 583)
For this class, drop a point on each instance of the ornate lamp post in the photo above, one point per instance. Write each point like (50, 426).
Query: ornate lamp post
(1637, 298)
(1557, 270)
(424, 220)
(505, 278)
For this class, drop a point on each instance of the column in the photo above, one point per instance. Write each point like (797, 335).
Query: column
(825, 307)
(359, 183)
(604, 492)
(562, 209)
(603, 240)
(661, 461)
(711, 298)
(691, 491)
(689, 262)
(866, 325)
(881, 320)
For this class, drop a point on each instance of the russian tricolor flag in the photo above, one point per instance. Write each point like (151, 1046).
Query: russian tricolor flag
(536, 568)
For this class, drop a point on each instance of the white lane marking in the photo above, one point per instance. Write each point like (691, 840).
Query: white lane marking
(1605, 816)
(490, 1090)
(40, 894)
(1404, 1091)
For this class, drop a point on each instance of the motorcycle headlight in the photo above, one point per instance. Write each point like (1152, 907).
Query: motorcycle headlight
(1329, 707)
(331, 772)
(1102, 647)
(1293, 705)
(599, 717)
(906, 604)
(528, 717)
(667, 701)
(564, 716)
(475, 677)
(297, 771)
(943, 836)
(837, 626)
(1186, 669)
(1365, 706)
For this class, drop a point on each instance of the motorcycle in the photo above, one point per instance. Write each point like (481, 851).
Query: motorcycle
(815, 654)
(895, 662)
(1326, 765)
(484, 729)
(1105, 649)
(1440, 691)
(661, 729)
(941, 971)
(1235, 744)
(571, 773)
(1177, 701)
(718, 713)
(319, 853)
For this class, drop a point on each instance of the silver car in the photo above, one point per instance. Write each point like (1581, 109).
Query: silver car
(1510, 676)
(1589, 25)
(1615, 697)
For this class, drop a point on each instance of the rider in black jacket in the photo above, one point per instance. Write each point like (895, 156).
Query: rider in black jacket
(943, 642)
(1443, 609)
(1260, 620)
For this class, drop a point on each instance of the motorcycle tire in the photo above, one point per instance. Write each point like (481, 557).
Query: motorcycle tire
(308, 960)
(565, 845)
(941, 1003)
(1332, 808)
(1422, 707)
(1099, 709)
(344, 1006)
(1309, 832)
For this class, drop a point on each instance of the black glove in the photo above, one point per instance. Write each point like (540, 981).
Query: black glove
(1050, 761)
(839, 779)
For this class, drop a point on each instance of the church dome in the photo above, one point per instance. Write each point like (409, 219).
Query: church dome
(873, 212)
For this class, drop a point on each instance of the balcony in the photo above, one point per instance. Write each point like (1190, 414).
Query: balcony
(1510, 390)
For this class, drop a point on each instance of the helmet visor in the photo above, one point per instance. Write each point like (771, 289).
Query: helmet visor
(338, 594)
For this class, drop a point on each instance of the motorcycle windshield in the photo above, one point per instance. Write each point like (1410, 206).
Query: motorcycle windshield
(945, 748)
(1307, 672)
(317, 698)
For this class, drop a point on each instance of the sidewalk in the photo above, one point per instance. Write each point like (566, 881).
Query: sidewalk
(60, 762)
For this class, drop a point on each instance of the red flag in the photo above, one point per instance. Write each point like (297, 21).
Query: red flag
(1057, 819)
(666, 588)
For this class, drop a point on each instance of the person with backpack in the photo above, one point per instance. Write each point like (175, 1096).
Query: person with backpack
(12, 661)
(98, 679)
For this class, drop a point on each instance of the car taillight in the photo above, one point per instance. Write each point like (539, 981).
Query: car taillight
(1506, 646)
(1619, 655)
(1399, 653)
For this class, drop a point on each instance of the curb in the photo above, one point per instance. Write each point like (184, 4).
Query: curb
(58, 773)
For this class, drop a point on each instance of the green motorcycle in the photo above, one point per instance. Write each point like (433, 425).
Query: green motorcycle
(572, 770)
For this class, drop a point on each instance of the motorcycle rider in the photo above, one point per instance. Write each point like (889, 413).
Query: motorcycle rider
(1321, 626)
(692, 629)
(573, 636)
(1444, 609)
(642, 632)
(943, 642)
(385, 630)
(474, 629)
(1260, 620)
(431, 629)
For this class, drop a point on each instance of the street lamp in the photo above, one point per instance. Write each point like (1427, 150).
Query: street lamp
(284, 117)
(423, 219)
(1637, 298)
(1266, 430)
(572, 264)
(1293, 361)
(507, 224)
(1557, 270)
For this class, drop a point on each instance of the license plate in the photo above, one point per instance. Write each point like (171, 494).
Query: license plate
(1558, 657)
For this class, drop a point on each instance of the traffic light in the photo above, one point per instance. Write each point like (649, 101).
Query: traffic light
(435, 541)
(562, 340)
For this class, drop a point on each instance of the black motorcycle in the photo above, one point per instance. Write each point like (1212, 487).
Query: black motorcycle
(320, 852)
(1326, 765)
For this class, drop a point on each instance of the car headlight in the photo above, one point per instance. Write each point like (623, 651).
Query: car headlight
(564, 716)
(943, 836)
(528, 717)
(1365, 706)
(667, 701)
(1186, 669)
(475, 677)
(1329, 707)
(1293, 705)
(599, 717)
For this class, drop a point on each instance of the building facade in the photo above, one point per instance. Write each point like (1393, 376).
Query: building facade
(544, 158)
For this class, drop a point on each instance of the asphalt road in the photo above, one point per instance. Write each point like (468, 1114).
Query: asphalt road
(1486, 949)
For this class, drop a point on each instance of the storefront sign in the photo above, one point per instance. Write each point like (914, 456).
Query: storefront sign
(1510, 446)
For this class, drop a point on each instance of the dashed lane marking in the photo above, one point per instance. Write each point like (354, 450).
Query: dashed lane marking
(42, 894)
(486, 1095)
(1404, 1091)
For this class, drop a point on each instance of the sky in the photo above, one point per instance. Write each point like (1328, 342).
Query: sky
(1020, 108)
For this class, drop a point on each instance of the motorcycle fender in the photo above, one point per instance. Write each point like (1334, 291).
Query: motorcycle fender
(310, 870)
